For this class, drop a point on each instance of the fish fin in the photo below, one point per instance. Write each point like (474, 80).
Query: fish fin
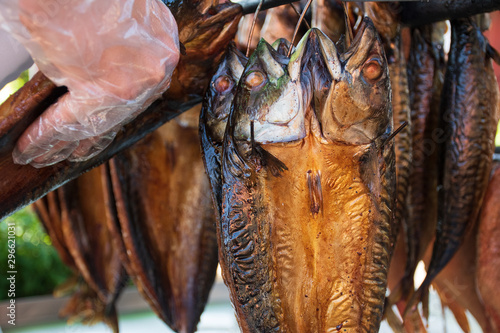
(111, 318)
(315, 192)
(67, 287)
(393, 134)
(492, 53)
(269, 161)
(393, 320)
(425, 303)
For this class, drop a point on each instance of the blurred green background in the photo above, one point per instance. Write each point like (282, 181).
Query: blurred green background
(39, 268)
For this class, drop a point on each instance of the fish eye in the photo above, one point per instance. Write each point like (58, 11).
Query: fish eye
(223, 83)
(372, 69)
(254, 79)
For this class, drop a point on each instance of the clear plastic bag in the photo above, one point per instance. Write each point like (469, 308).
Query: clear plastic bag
(115, 56)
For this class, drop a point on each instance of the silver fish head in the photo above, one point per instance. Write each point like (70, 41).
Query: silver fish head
(221, 91)
(269, 100)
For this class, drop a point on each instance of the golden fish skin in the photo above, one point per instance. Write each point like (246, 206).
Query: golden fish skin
(306, 214)
(168, 222)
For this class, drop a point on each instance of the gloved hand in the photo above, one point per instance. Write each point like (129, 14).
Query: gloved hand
(115, 56)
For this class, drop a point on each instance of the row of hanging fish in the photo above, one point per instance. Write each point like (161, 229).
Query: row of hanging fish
(148, 213)
(325, 161)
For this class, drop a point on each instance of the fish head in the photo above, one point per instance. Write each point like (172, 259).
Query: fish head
(269, 101)
(221, 91)
(205, 29)
(352, 92)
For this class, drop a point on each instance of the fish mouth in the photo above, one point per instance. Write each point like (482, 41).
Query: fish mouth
(329, 53)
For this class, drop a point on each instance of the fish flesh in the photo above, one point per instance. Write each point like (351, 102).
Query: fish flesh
(488, 250)
(308, 187)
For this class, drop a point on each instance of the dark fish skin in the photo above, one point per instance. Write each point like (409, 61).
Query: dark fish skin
(426, 76)
(470, 105)
(213, 117)
(89, 241)
(403, 140)
(488, 253)
(386, 20)
(167, 221)
(305, 226)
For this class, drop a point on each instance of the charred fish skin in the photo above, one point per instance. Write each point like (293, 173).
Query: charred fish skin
(308, 189)
(426, 75)
(470, 104)
(213, 117)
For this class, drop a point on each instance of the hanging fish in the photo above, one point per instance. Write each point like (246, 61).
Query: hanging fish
(214, 115)
(426, 75)
(470, 105)
(167, 221)
(205, 29)
(83, 221)
(308, 187)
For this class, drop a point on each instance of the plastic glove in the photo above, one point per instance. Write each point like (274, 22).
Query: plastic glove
(115, 56)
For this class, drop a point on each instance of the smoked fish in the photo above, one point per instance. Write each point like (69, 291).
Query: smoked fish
(470, 106)
(308, 187)
(83, 221)
(167, 221)
(426, 75)
(386, 20)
